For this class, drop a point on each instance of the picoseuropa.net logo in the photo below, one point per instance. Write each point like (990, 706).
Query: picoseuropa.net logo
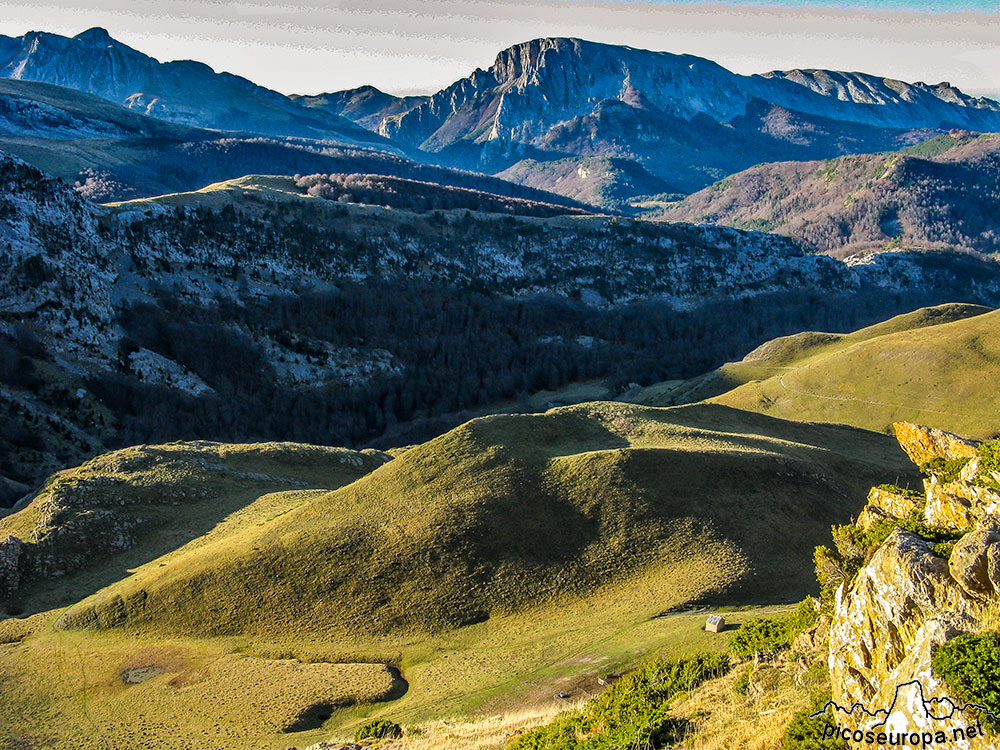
(911, 720)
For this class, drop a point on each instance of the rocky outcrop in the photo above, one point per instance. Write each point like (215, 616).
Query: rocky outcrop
(975, 562)
(885, 502)
(908, 599)
(922, 444)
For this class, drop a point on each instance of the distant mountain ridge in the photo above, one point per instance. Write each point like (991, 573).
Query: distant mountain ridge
(943, 194)
(182, 91)
(686, 119)
(114, 153)
(366, 105)
(571, 75)
(677, 121)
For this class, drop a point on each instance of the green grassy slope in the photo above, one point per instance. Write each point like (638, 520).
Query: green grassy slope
(89, 525)
(776, 357)
(943, 375)
(506, 511)
(511, 558)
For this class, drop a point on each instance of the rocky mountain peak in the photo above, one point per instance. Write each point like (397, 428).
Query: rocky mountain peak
(96, 36)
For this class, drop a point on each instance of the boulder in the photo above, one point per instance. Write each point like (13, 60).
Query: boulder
(925, 443)
(960, 504)
(871, 515)
(895, 504)
(946, 509)
(975, 562)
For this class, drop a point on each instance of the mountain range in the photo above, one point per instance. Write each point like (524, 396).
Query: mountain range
(685, 119)
(184, 91)
(674, 123)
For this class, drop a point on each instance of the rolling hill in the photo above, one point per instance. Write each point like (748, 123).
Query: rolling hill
(936, 366)
(485, 565)
(941, 194)
(788, 352)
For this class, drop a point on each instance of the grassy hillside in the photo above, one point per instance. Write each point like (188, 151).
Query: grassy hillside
(778, 356)
(372, 190)
(89, 525)
(943, 375)
(512, 558)
(504, 512)
(940, 194)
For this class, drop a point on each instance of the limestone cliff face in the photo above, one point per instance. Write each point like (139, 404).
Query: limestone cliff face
(908, 599)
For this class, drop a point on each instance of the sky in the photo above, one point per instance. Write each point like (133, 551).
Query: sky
(407, 46)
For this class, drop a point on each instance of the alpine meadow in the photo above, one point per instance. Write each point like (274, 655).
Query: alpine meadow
(631, 387)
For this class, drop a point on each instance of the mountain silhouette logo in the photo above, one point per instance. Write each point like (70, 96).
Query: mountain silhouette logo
(947, 723)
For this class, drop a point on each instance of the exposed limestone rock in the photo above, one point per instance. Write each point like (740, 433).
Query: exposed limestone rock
(947, 510)
(878, 617)
(885, 503)
(959, 504)
(925, 443)
(813, 637)
(870, 515)
(975, 562)
(906, 601)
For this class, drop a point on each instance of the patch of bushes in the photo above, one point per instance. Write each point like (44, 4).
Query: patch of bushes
(943, 549)
(742, 684)
(378, 729)
(970, 665)
(904, 491)
(769, 635)
(989, 462)
(805, 732)
(634, 712)
(947, 470)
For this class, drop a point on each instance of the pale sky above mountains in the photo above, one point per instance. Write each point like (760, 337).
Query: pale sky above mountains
(309, 46)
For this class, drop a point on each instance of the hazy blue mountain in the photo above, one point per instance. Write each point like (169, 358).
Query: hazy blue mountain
(111, 152)
(366, 105)
(687, 120)
(183, 91)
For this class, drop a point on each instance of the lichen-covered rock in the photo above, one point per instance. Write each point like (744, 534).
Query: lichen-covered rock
(946, 509)
(897, 504)
(923, 444)
(878, 617)
(887, 503)
(811, 638)
(870, 515)
(975, 562)
(906, 601)
(959, 504)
